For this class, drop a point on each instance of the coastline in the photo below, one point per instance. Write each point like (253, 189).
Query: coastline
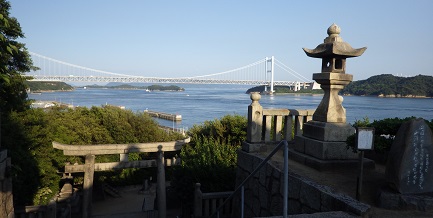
(49, 91)
(391, 96)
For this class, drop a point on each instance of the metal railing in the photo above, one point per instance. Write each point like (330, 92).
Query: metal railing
(285, 175)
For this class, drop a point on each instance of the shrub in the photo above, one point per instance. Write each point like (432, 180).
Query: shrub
(210, 158)
(230, 129)
(384, 132)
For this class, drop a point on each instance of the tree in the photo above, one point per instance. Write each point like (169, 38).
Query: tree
(210, 159)
(14, 62)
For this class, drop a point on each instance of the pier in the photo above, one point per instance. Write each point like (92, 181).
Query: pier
(162, 115)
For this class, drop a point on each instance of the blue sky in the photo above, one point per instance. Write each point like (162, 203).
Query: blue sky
(192, 37)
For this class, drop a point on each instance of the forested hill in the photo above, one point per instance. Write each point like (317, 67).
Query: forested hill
(387, 85)
(48, 86)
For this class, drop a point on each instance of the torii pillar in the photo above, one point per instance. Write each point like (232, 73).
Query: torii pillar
(322, 144)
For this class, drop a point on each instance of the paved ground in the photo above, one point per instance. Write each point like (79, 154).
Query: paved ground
(129, 205)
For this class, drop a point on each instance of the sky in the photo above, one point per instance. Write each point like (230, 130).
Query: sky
(199, 37)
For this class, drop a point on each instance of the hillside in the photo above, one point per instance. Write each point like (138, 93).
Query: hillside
(387, 85)
(36, 86)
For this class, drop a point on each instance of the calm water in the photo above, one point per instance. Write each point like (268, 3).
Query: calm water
(199, 103)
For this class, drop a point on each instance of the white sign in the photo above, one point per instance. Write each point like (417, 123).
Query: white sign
(365, 138)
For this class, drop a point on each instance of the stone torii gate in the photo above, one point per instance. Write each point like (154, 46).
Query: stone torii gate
(89, 166)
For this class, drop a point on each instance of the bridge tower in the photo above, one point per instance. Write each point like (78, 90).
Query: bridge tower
(270, 61)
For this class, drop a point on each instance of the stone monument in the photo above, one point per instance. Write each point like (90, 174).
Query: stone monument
(322, 144)
(409, 170)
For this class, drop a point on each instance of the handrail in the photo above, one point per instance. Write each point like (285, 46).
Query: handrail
(286, 175)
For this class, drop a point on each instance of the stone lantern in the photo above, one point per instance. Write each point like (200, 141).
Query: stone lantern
(323, 142)
(333, 77)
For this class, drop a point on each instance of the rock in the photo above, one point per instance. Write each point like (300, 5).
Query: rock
(409, 169)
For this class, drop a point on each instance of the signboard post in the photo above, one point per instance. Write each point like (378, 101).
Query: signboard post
(364, 141)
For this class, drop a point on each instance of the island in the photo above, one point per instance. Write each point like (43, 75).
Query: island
(387, 85)
(45, 86)
(283, 90)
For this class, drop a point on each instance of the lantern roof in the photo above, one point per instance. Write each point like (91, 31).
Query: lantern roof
(334, 46)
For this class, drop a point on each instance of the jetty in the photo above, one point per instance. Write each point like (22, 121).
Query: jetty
(162, 115)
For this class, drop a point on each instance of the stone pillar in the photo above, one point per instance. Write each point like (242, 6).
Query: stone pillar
(255, 119)
(160, 188)
(89, 170)
(331, 108)
(6, 197)
(123, 157)
(198, 201)
(254, 141)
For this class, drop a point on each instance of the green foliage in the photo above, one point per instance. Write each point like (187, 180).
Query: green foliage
(210, 158)
(165, 88)
(384, 132)
(388, 84)
(14, 62)
(28, 136)
(42, 196)
(230, 129)
(208, 152)
(48, 86)
(208, 162)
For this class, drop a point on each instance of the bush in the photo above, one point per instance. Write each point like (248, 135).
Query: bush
(230, 129)
(210, 158)
(384, 132)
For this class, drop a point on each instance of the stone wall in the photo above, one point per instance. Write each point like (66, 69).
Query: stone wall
(6, 198)
(264, 193)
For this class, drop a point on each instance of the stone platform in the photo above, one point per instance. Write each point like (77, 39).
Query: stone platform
(390, 199)
(325, 165)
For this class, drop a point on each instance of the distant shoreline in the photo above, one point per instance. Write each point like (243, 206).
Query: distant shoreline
(43, 91)
(116, 88)
(391, 96)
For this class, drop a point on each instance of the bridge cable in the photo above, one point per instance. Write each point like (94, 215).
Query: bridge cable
(288, 68)
(77, 66)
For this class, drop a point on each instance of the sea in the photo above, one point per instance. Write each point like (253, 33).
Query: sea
(200, 103)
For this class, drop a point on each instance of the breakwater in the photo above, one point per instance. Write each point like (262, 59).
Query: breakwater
(162, 115)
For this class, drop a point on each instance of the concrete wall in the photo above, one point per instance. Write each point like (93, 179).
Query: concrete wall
(264, 193)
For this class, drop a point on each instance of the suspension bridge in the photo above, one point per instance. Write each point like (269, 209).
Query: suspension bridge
(261, 72)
